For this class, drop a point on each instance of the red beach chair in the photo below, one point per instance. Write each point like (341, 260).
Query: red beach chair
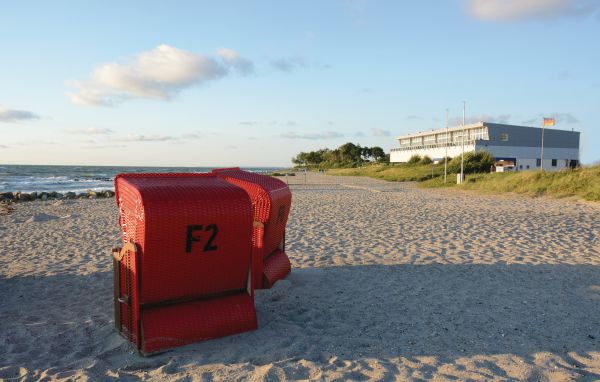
(272, 201)
(184, 273)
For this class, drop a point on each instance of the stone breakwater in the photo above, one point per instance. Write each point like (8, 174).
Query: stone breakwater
(26, 197)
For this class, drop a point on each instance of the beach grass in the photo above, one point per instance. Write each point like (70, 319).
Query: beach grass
(583, 183)
(395, 173)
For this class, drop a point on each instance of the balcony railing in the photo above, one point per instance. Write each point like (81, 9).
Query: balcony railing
(434, 146)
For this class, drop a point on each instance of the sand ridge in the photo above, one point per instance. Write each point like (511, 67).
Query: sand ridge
(389, 282)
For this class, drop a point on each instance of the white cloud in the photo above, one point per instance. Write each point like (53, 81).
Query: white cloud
(381, 132)
(233, 58)
(561, 118)
(13, 115)
(90, 131)
(189, 136)
(325, 135)
(288, 64)
(157, 74)
(514, 10)
(149, 138)
(502, 118)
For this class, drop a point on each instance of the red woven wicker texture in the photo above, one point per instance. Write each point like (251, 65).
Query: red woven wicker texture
(129, 312)
(132, 228)
(171, 204)
(257, 257)
(182, 324)
(271, 199)
(155, 211)
(276, 267)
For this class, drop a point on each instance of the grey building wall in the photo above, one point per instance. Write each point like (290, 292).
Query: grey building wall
(525, 136)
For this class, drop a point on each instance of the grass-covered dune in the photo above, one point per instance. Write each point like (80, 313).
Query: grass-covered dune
(397, 173)
(582, 183)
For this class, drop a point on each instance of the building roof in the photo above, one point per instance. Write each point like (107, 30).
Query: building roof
(467, 127)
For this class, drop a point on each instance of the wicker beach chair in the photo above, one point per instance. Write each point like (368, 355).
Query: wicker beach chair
(184, 273)
(272, 201)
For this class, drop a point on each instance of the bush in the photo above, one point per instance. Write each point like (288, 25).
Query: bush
(414, 159)
(475, 162)
(426, 160)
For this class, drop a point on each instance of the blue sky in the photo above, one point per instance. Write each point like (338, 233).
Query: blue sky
(253, 83)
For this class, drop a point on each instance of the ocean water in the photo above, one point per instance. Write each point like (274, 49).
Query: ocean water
(27, 178)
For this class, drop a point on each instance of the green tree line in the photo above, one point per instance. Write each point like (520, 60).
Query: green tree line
(347, 155)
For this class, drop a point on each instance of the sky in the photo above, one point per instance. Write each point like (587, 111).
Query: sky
(252, 83)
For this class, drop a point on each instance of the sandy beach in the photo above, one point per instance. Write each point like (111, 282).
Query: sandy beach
(389, 282)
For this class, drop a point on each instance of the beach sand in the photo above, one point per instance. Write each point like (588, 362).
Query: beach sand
(389, 282)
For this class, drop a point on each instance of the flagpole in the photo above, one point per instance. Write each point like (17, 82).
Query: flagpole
(542, 154)
(446, 156)
(462, 155)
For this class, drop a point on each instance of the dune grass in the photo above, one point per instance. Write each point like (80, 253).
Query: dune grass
(396, 173)
(581, 183)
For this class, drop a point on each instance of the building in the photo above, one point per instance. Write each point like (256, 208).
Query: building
(516, 146)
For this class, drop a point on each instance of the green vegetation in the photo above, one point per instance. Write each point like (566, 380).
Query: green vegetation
(474, 162)
(346, 156)
(354, 160)
(403, 172)
(420, 169)
(581, 183)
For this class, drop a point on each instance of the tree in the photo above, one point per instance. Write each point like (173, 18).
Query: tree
(377, 153)
(350, 153)
(366, 153)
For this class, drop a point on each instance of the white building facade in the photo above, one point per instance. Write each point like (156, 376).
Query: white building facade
(521, 145)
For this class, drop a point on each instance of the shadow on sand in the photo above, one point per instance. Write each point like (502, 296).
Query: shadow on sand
(325, 316)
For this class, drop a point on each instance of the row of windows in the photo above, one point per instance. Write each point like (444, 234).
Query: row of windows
(454, 137)
(538, 162)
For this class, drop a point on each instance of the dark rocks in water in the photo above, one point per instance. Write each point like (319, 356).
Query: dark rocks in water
(19, 196)
(7, 196)
(23, 196)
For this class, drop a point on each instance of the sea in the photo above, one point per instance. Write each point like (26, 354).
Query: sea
(29, 178)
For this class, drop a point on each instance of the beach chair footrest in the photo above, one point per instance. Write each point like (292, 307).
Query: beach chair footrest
(276, 267)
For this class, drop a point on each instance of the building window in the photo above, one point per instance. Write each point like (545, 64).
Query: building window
(443, 138)
(538, 162)
(504, 137)
(527, 167)
(457, 137)
(553, 162)
(429, 140)
(416, 142)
